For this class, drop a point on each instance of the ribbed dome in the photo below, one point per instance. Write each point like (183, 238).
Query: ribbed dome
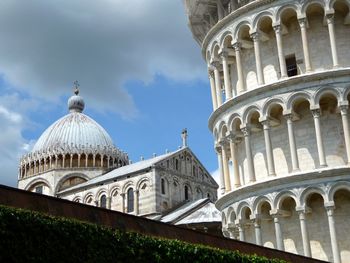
(72, 130)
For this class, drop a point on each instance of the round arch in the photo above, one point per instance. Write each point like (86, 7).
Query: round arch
(127, 185)
(298, 95)
(224, 36)
(238, 29)
(344, 185)
(258, 202)
(280, 197)
(309, 191)
(38, 181)
(248, 111)
(68, 177)
(241, 206)
(261, 15)
(141, 181)
(325, 91)
(234, 117)
(306, 5)
(269, 103)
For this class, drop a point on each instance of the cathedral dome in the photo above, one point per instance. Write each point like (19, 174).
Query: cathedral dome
(73, 141)
(75, 130)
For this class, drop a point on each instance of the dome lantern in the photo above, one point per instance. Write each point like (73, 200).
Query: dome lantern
(76, 103)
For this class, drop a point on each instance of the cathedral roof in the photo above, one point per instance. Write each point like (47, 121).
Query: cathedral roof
(130, 169)
(194, 212)
(122, 171)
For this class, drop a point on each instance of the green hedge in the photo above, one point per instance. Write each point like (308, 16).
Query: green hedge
(27, 236)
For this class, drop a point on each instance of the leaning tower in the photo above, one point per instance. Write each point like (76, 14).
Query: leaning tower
(279, 76)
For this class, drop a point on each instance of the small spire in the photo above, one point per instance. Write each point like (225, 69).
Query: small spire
(76, 87)
(184, 136)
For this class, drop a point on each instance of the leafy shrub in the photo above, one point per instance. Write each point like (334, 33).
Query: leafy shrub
(27, 236)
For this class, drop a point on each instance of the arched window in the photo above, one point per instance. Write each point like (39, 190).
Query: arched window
(186, 193)
(130, 195)
(162, 182)
(177, 164)
(103, 201)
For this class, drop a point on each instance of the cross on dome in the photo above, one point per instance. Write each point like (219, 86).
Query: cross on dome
(76, 87)
(76, 103)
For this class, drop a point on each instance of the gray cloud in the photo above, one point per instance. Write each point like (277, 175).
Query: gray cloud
(45, 45)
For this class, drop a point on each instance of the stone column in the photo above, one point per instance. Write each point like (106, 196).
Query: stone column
(86, 159)
(136, 201)
(330, 22)
(71, 161)
(50, 162)
(227, 82)
(240, 76)
(220, 10)
(225, 167)
(278, 232)
(257, 228)
(292, 144)
(25, 170)
(123, 202)
(220, 167)
(56, 161)
(217, 83)
(302, 23)
(241, 231)
(344, 118)
(304, 232)
(233, 148)
(233, 84)
(109, 202)
(212, 88)
(268, 147)
(259, 68)
(281, 58)
(249, 156)
(94, 160)
(79, 156)
(316, 113)
(102, 156)
(333, 235)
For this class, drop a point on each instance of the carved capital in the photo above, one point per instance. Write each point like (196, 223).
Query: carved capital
(216, 64)
(237, 46)
(255, 36)
(218, 149)
(316, 113)
(330, 18)
(224, 55)
(266, 124)
(302, 22)
(343, 109)
(277, 29)
(210, 73)
(245, 131)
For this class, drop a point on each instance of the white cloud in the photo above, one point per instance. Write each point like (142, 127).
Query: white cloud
(13, 144)
(45, 45)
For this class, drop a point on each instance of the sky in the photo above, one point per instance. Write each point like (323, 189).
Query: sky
(140, 72)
